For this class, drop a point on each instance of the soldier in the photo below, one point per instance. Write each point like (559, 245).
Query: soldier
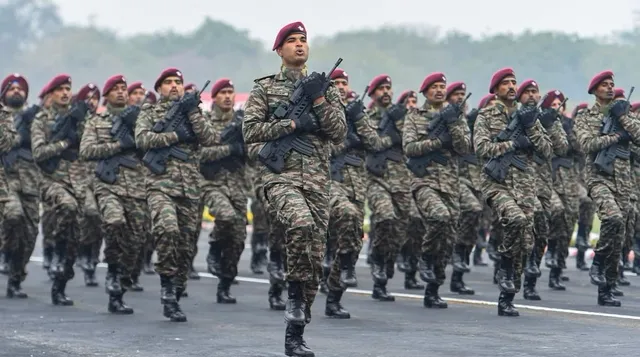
(470, 205)
(511, 197)
(635, 108)
(586, 208)
(610, 190)
(19, 180)
(118, 183)
(47, 240)
(300, 192)
(55, 139)
(437, 192)
(222, 165)
(189, 88)
(173, 203)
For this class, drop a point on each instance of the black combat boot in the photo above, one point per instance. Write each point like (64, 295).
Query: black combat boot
(550, 256)
(334, 308)
(275, 298)
(147, 265)
(410, 281)
(457, 285)
(116, 304)
(294, 343)
(505, 275)
(431, 297)
(169, 300)
(135, 282)
(458, 259)
(88, 267)
(531, 269)
(378, 269)
(214, 258)
(14, 290)
(58, 295)
(622, 280)
(529, 292)
(505, 305)
(596, 272)
(380, 292)
(347, 270)
(581, 264)
(47, 253)
(554, 280)
(426, 269)
(615, 291)
(193, 274)
(223, 296)
(605, 298)
(112, 284)
(295, 306)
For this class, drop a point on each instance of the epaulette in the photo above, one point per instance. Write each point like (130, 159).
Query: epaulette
(271, 76)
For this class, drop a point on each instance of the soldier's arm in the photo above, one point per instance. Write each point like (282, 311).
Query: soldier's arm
(559, 140)
(338, 149)
(370, 138)
(214, 152)
(252, 151)
(331, 116)
(40, 149)
(90, 149)
(8, 140)
(590, 141)
(482, 141)
(204, 129)
(146, 138)
(460, 136)
(256, 128)
(631, 123)
(411, 146)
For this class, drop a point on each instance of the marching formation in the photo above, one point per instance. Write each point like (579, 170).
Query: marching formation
(438, 180)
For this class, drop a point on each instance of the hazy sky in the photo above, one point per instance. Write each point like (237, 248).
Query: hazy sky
(263, 20)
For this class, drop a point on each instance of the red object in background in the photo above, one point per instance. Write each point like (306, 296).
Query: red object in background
(241, 98)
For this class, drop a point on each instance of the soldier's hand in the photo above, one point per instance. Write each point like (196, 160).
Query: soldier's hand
(451, 113)
(548, 117)
(396, 112)
(619, 108)
(127, 142)
(312, 85)
(185, 134)
(189, 102)
(236, 149)
(353, 140)
(355, 111)
(522, 142)
(395, 137)
(445, 138)
(528, 116)
(623, 136)
(306, 124)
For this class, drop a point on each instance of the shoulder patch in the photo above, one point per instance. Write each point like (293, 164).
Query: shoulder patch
(271, 76)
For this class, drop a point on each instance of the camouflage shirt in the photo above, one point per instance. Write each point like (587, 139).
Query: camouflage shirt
(415, 142)
(566, 180)
(23, 176)
(309, 173)
(9, 139)
(543, 167)
(98, 144)
(181, 179)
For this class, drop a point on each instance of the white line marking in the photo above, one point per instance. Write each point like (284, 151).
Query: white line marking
(420, 297)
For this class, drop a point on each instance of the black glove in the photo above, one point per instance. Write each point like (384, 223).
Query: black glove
(396, 139)
(451, 113)
(189, 102)
(236, 149)
(624, 137)
(522, 142)
(185, 133)
(129, 115)
(619, 108)
(528, 116)
(396, 112)
(73, 138)
(355, 111)
(353, 140)
(306, 124)
(548, 117)
(312, 85)
(445, 139)
(127, 141)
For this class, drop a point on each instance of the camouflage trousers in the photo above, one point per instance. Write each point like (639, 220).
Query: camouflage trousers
(562, 223)
(412, 248)
(229, 207)
(390, 212)
(346, 216)
(125, 225)
(304, 215)
(20, 216)
(196, 236)
(586, 209)
(636, 230)
(62, 213)
(630, 230)
(275, 229)
(440, 213)
(90, 220)
(260, 220)
(173, 222)
(548, 211)
(471, 210)
(613, 210)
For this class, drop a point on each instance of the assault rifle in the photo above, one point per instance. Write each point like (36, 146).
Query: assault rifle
(376, 162)
(353, 140)
(436, 129)
(553, 113)
(605, 158)
(107, 170)
(231, 134)
(22, 123)
(297, 107)
(558, 162)
(156, 159)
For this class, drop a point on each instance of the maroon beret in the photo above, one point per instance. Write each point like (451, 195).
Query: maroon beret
(499, 76)
(524, 85)
(294, 27)
(56, 82)
(88, 89)
(339, 73)
(595, 81)
(635, 106)
(431, 79)
(618, 93)
(454, 87)
(15, 78)
(551, 96)
(485, 100)
(151, 97)
(405, 95)
(219, 85)
(190, 86)
(135, 85)
(578, 107)
(377, 81)
(352, 95)
(111, 82)
(169, 72)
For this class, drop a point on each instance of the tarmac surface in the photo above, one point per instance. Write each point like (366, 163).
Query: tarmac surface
(568, 323)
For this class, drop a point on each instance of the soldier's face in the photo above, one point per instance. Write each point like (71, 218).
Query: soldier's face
(93, 101)
(530, 96)
(457, 96)
(295, 50)
(556, 105)
(343, 87)
(383, 94)
(15, 96)
(605, 91)
(136, 96)
(412, 102)
(118, 95)
(172, 88)
(436, 93)
(226, 98)
(46, 102)
(507, 88)
(61, 95)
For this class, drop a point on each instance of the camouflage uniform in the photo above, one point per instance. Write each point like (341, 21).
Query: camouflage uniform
(227, 202)
(174, 199)
(19, 205)
(411, 250)
(471, 211)
(636, 210)
(513, 201)
(300, 194)
(122, 204)
(611, 195)
(259, 225)
(437, 194)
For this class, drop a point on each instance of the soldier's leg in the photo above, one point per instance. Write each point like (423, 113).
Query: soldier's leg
(626, 248)
(604, 269)
(586, 213)
(558, 229)
(259, 236)
(330, 248)
(187, 211)
(15, 243)
(90, 236)
(193, 274)
(136, 230)
(412, 250)
(31, 207)
(48, 243)
(483, 230)
(383, 217)
(636, 239)
(470, 213)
